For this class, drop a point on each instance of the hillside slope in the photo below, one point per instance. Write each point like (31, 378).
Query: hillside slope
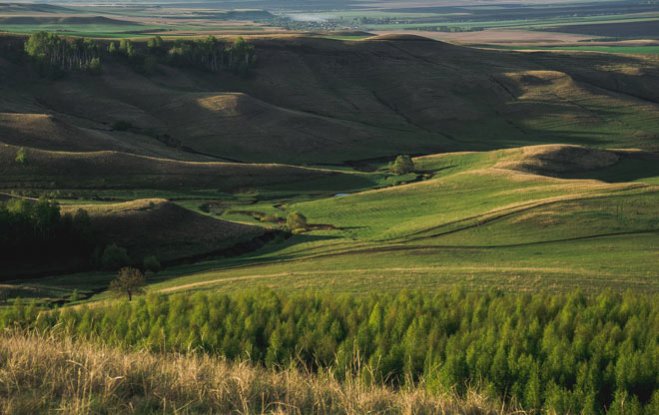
(326, 101)
(158, 227)
(516, 219)
(120, 170)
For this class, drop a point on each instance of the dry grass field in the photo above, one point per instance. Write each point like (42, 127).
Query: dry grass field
(46, 374)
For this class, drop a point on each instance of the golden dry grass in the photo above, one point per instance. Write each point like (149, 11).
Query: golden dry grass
(44, 374)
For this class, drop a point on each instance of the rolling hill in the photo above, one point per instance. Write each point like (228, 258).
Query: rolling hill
(119, 170)
(312, 100)
(512, 219)
(541, 166)
(378, 222)
(158, 227)
(144, 227)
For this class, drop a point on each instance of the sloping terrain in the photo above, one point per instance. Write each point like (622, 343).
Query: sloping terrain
(158, 227)
(47, 132)
(312, 100)
(486, 219)
(117, 170)
(577, 206)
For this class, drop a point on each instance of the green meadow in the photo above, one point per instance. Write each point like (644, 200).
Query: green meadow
(471, 219)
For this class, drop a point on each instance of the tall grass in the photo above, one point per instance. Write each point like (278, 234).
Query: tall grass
(42, 373)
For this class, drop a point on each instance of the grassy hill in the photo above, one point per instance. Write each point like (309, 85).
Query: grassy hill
(144, 227)
(538, 217)
(534, 214)
(158, 227)
(485, 219)
(119, 170)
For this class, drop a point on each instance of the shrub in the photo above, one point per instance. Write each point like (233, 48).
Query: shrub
(296, 221)
(21, 156)
(552, 353)
(272, 218)
(402, 165)
(114, 257)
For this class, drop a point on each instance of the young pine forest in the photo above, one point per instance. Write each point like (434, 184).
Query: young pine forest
(566, 353)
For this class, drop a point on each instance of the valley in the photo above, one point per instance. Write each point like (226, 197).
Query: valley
(329, 208)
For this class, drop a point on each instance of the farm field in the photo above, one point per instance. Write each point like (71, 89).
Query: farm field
(330, 207)
(631, 50)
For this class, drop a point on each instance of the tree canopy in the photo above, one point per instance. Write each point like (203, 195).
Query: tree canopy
(402, 165)
(130, 281)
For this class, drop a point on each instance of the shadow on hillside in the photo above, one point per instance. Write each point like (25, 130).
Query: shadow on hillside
(631, 167)
(262, 255)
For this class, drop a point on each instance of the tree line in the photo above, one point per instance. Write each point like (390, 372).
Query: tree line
(55, 55)
(561, 353)
(38, 234)
(37, 231)
(212, 55)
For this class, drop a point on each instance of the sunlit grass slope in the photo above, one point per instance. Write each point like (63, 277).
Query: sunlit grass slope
(508, 219)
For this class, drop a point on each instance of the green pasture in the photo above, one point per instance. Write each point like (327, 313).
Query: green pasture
(468, 221)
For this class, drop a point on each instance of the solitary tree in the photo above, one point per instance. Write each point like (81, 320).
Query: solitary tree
(129, 281)
(402, 165)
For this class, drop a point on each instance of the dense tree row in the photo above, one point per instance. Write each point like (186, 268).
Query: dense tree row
(36, 231)
(211, 54)
(54, 53)
(564, 353)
